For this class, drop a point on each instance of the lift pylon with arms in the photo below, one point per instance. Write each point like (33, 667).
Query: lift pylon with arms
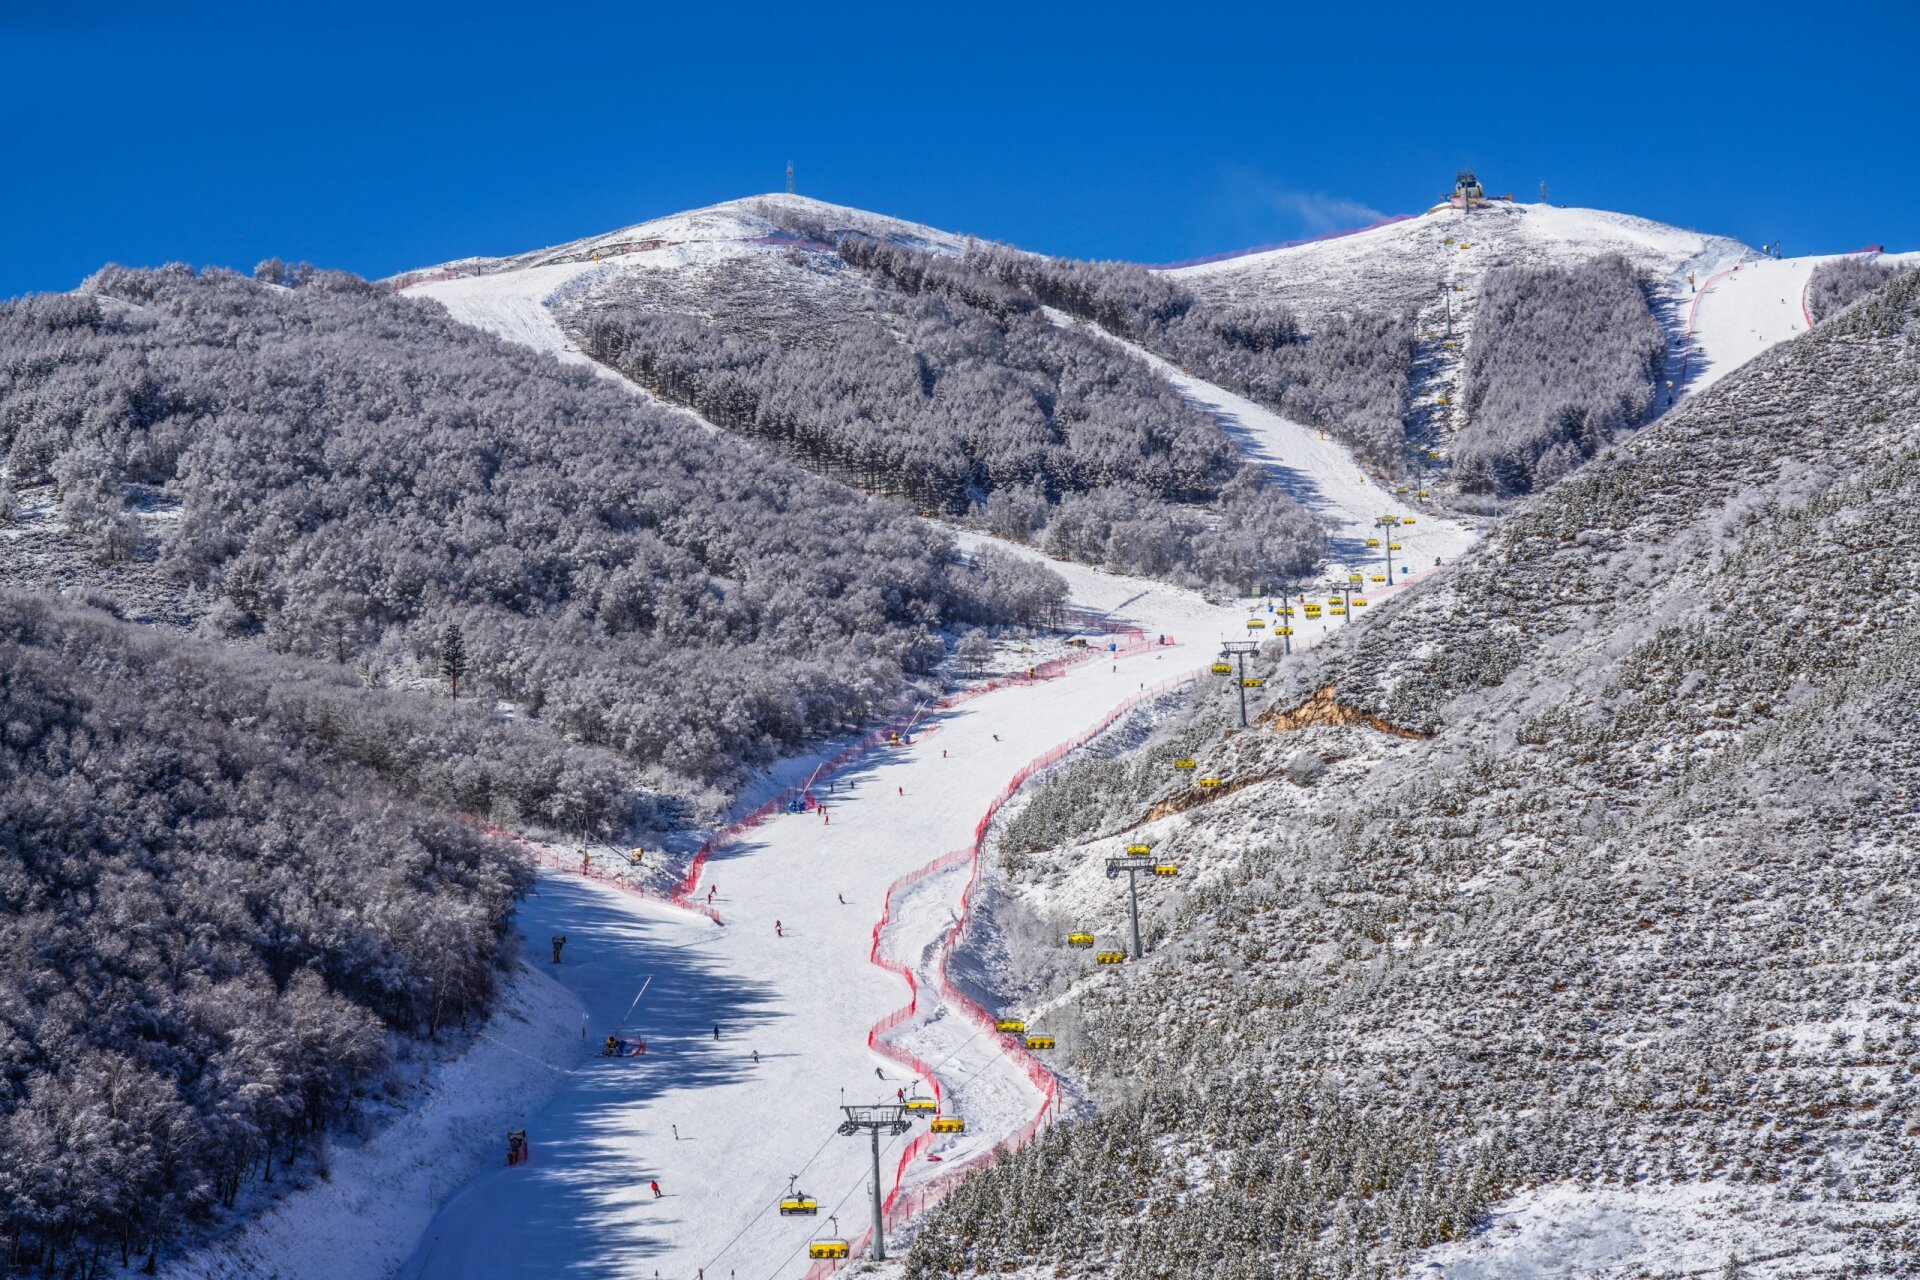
(1131, 866)
(888, 1117)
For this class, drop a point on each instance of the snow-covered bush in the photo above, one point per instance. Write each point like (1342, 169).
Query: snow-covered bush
(1836, 285)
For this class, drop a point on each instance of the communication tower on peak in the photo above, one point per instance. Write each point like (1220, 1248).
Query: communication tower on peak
(789, 177)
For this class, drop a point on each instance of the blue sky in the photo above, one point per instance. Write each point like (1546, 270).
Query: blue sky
(381, 137)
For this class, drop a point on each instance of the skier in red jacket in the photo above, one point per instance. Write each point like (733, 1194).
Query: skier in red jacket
(656, 1189)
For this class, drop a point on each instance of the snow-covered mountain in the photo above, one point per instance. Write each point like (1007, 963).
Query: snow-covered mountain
(1565, 907)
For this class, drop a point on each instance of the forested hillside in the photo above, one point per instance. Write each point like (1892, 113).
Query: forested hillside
(1562, 360)
(925, 375)
(1349, 375)
(341, 474)
(228, 876)
(1586, 869)
(1838, 284)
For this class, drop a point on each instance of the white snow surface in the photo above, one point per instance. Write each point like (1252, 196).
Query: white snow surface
(363, 1219)
(802, 998)
(1747, 308)
(602, 1130)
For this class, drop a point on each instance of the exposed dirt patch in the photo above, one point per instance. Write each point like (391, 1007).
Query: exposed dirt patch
(1325, 708)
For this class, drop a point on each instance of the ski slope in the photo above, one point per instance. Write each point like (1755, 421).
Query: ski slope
(802, 999)
(1322, 475)
(1748, 308)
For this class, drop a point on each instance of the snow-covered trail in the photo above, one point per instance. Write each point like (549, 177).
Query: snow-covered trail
(1742, 311)
(803, 999)
(513, 305)
(1322, 475)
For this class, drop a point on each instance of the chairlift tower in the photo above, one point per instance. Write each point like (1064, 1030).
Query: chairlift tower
(1238, 651)
(1131, 865)
(890, 1117)
(1387, 525)
(789, 177)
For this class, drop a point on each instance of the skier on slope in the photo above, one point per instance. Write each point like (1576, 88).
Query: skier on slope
(655, 1186)
(776, 930)
(710, 889)
(716, 1031)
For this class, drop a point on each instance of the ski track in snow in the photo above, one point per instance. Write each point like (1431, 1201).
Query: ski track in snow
(1321, 474)
(1751, 307)
(804, 1001)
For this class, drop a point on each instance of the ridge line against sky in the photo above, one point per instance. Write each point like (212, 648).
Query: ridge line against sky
(378, 142)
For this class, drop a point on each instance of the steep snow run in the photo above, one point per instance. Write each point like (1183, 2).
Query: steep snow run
(1746, 308)
(1322, 475)
(756, 1029)
(787, 978)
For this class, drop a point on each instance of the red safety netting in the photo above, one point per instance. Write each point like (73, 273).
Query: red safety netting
(902, 1204)
(1132, 640)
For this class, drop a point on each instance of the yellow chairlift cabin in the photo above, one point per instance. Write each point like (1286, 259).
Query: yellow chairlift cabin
(1359, 602)
(1252, 682)
(1209, 784)
(1373, 542)
(1079, 939)
(1379, 577)
(1433, 455)
(1401, 489)
(1336, 611)
(1283, 631)
(1110, 957)
(1139, 850)
(830, 1246)
(1406, 520)
(1256, 624)
(1011, 1026)
(1393, 546)
(1039, 1042)
(1184, 763)
(1422, 493)
(948, 1124)
(917, 1101)
(1166, 869)
(1222, 668)
(797, 1202)
(1313, 611)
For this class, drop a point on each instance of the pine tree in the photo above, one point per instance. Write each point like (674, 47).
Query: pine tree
(453, 657)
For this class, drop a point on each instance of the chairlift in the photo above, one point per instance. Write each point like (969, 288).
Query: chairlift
(1139, 850)
(1010, 1026)
(1256, 624)
(917, 1103)
(1222, 668)
(829, 1246)
(1393, 546)
(1283, 631)
(1079, 939)
(797, 1202)
(1336, 611)
(948, 1124)
(1373, 542)
(1185, 763)
(1209, 784)
(1359, 602)
(1422, 493)
(1252, 682)
(1379, 577)
(1166, 869)
(1407, 520)
(1110, 957)
(1402, 489)
(1039, 1042)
